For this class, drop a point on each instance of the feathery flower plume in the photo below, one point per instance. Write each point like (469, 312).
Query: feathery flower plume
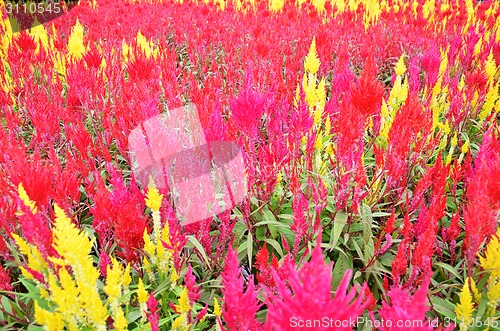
(240, 306)
(303, 295)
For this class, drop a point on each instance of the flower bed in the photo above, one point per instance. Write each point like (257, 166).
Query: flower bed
(370, 190)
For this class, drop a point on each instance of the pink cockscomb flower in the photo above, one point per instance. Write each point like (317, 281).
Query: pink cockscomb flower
(240, 305)
(305, 297)
(406, 311)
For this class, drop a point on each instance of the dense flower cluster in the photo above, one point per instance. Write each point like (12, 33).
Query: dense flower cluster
(369, 131)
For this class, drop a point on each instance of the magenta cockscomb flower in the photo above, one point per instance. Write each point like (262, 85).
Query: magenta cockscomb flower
(483, 195)
(404, 310)
(153, 312)
(5, 281)
(305, 295)
(240, 305)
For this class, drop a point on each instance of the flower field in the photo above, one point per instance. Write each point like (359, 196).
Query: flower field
(368, 191)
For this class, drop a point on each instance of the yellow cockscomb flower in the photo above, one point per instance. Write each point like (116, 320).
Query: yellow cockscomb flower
(149, 247)
(73, 247)
(400, 67)
(26, 199)
(465, 308)
(36, 262)
(113, 288)
(76, 47)
(217, 310)
(144, 44)
(40, 36)
(142, 294)
(52, 321)
(183, 305)
(312, 62)
(154, 199)
(491, 260)
(113, 280)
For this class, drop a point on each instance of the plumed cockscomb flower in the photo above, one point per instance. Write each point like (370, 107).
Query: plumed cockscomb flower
(193, 289)
(305, 295)
(483, 195)
(264, 275)
(240, 305)
(266, 270)
(76, 47)
(119, 214)
(406, 311)
(153, 314)
(300, 223)
(247, 109)
(366, 95)
(5, 281)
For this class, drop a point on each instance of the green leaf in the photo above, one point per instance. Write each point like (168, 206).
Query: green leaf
(367, 220)
(386, 259)
(483, 305)
(200, 249)
(286, 217)
(343, 263)
(380, 214)
(273, 229)
(250, 248)
(33, 291)
(260, 233)
(369, 250)
(331, 204)
(379, 268)
(356, 243)
(338, 226)
(275, 245)
(242, 250)
(288, 233)
(450, 269)
(133, 315)
(268, 222)
(268, 215)
(443, 307)
(239, 230)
